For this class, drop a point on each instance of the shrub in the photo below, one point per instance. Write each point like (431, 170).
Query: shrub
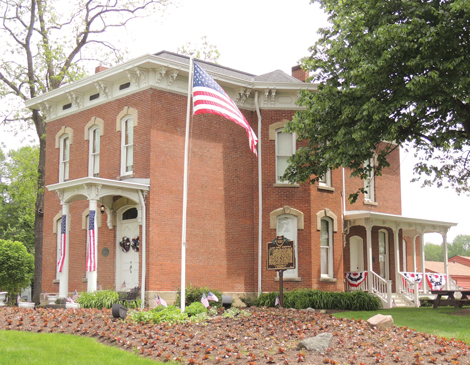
(195, 308)
(249, 299)
(194, 294)
(16, 268)
(98, 299)
(305, 298)
(158, 315)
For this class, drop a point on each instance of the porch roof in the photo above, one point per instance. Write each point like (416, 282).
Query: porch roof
(410, 226)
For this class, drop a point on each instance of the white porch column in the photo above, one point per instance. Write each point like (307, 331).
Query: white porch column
(368, 225)
(423, 266)
(92, 276)
(446, 260)
(64, 275)
(396, 243)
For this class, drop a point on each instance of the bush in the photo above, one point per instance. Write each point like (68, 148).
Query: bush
(195, 308)
(249, 299)
(98, 299)
(158, 315)
(305, 298)
(194, 294)
(16, 268)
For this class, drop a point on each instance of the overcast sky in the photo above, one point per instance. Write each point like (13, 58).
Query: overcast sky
(260, 36)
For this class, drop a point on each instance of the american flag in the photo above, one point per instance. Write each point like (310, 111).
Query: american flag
(63, 240)
(209, 97)
(277, 300)
(91, 253)
(204, 300)
(211, 296)
(162, 301)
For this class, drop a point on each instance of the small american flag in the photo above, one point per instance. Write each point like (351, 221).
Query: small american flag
(63, 240)
(91, 253)
(211, 296)
(277, 300)
(209, 97)
(204, 300)
(157, 300)
(162, 301)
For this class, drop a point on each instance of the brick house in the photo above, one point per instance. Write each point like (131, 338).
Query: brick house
(459, 269)
(115, 146)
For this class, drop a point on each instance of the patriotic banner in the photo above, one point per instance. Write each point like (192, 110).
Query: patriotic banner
(204, 300)
(63, 241)
(209, 97)
(355, 278)
(411, 278)
(91, 249)
(436, 281)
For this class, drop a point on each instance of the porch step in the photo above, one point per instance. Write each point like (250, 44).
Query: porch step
(401, 301)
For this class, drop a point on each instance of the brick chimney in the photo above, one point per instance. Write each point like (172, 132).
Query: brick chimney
(100, 68)
(300, 74)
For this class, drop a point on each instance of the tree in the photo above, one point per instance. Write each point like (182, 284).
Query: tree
(46, 43)
(16, 268)
(203, 51)
(18, 195)
(433, 252)
(460, 246)
(393, 71)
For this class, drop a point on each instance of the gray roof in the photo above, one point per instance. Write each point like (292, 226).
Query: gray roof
(275, 76)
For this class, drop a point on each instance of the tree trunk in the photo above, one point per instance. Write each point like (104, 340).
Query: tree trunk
(39, 214)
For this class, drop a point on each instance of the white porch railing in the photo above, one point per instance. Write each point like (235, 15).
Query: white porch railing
(410, 290)
(380, 287)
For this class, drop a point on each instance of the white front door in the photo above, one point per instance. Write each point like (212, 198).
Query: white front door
(127, 263)
(356, 254)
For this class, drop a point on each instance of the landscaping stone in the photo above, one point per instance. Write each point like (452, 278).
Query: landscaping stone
(319, 343)
(380, 321)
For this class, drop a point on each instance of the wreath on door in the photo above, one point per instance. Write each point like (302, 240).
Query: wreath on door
(135, 244)
(125, 244)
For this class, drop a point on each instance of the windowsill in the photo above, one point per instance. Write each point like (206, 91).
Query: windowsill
(124, 177)
(368, 202)
(326, 188)
(328, 280)
(288, 279)
(286, 185)
(56, 281)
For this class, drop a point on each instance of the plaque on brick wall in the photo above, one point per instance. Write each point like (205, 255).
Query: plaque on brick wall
(281, 254)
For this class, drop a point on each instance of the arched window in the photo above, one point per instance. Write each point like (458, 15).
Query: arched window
(94, 151)
(326, 244)
(64, 158)
(130, 214)
(287, 227)
(383, 254)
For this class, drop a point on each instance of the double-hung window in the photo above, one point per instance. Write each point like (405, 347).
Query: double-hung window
(64, 158)
(285, 148)
(326, 244)
(94, 163)
(325, 180)
(127, 153)
(369, 182)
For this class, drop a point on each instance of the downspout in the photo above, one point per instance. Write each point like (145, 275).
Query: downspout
(260, 198)
(144, 240)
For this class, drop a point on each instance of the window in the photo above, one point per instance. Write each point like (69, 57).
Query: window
(130, 214)
(94, 142)
(287, 227)
(127, 154)
(369, 182)
(325, 180)
(285, 147)
(326, 244)
(383, 254)
(404, 256)
(64, 158)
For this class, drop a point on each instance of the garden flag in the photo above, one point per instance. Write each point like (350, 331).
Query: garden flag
(211, 296)
(277, 300)
(209, 97)
(63, 240)
(204, 300)
(91, 249)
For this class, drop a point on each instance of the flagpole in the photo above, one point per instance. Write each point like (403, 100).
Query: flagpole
(185, 188)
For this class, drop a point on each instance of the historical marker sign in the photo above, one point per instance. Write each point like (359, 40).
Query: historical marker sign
(281, 255)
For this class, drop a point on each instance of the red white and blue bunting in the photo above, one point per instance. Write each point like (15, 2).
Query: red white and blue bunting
(413, 277)
(436, 281)
(355, 278)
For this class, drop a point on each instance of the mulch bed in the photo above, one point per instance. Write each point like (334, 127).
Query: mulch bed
(268, 336)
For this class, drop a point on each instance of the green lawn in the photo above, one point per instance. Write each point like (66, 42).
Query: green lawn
(429, 320)
(18, 347)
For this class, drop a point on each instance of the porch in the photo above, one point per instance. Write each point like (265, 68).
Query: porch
(390, 264)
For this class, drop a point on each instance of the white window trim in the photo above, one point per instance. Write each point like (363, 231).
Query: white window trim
(387, 253)
(292, 273)
(330, 248)
(325, 180)
(62, 163)
(404, 255)
(91, 155)
(369, 183)
(124, 147)
(278, 174)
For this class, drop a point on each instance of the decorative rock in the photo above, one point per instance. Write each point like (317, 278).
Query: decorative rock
(319, 343)
(309, 309)
(380, 321)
